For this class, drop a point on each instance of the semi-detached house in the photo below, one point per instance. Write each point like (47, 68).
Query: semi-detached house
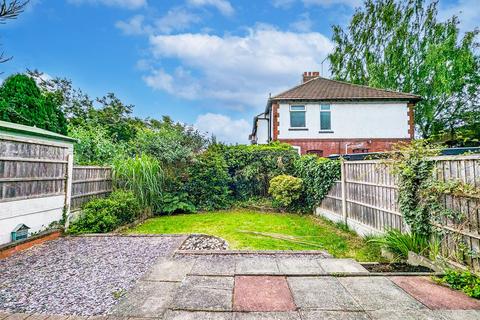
(326, 117)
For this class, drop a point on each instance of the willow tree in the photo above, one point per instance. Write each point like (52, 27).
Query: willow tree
(401, 45)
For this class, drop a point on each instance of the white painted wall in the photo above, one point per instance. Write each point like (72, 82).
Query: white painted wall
(36, 213)
(350, 120)
(262, 131)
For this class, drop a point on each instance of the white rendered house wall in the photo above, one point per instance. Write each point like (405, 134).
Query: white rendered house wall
(349, 121)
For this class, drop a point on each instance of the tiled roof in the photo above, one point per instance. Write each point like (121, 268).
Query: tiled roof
(326, 89)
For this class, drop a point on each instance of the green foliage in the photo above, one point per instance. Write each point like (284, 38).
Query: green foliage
(208, 182)
(465, 281)
(401, 45)
(106, 214)
(252, 167)
(400, 243)
(143, 176)
(415, 170)
(94, 146)
(285, 189)
(21, 101)
(318, 176)
(175, 203)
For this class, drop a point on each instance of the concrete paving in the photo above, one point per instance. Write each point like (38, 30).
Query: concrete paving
(277, 287)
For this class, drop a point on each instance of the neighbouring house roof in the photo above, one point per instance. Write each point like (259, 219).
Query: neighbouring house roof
(327, 89)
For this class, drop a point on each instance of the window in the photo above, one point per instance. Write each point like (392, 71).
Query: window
(316, 152)
(325, 118)
(297, 116)
(360, 150)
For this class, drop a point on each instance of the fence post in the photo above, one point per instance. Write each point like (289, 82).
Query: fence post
(343, 179)
(68, 188)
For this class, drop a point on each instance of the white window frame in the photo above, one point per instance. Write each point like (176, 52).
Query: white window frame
(305, 114)
(329, 111)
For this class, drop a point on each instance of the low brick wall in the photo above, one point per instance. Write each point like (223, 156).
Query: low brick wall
(8, 249)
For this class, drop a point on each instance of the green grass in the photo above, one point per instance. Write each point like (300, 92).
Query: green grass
(319, 233)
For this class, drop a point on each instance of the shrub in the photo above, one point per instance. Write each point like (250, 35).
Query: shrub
(252, 167)
(285, 189)
(176, 202)
(106, 214)
(400, 243)
(464, 281)
(318, 176)
(143, 176)
(208, 182)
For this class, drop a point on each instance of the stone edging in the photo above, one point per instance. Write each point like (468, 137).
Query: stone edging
(10, 248)
(250, 252)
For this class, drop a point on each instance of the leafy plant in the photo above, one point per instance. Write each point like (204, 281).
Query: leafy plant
(318, 176)
(208, 182)
(143, 176)
(285, 189)
(174, 203)
(106, 214)
(400, 243)
(465, 281)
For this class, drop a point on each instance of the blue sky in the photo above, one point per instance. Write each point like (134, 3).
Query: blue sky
(210, 63)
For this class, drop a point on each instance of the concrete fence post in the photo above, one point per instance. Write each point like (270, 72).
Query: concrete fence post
(68, 188)
(343, 180)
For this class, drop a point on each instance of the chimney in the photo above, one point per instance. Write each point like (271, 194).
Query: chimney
(309, 75)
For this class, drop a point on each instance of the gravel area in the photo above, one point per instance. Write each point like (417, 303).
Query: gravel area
(204, 242)
(78, 276)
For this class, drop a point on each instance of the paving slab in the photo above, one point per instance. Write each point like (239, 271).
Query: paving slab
(299, 265)
(147, 299)
(334, 315)
(169, 269)
(256, 265)
(214, 265)
(17, 316)
(3, 315)
(204, 293)
(458, 314)
(379, 293)
(435, 296)
(262, 293)
(404, 315)
(197, 315)
(342, 266)
(324, 293)
(267, 316)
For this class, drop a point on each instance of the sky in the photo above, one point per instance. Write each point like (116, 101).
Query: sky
(207, 63)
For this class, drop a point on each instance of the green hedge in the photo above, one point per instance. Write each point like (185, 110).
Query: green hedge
(106, 214)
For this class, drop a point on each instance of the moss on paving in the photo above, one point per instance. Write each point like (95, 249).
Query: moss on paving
(228, 224)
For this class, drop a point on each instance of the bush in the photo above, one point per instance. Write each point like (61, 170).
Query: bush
(464, 281)
(252, 167)
(208, 182)
(400, 243)
(106, 214)
(318, 176)
(143, 176)
(285, 189)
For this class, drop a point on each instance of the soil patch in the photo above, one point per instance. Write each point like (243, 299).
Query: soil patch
(395, 267)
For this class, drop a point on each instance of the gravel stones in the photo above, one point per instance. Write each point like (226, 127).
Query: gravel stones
(78, 276)
(204, 242)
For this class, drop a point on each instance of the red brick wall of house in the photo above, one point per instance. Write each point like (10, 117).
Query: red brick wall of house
(275, 116)
(337, 146)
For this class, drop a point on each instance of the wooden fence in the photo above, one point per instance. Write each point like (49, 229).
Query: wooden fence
(366, 198)
(89, 182)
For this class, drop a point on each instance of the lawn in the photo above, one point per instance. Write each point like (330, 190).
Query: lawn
(236, 226)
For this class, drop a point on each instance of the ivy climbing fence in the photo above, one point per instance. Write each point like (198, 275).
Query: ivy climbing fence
(366, 198)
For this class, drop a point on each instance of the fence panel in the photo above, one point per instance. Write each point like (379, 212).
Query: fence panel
(371, 197)
(90, 182)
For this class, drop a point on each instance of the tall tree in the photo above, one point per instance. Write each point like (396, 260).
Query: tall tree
(10, 10)
(21, 101)
(400, 45)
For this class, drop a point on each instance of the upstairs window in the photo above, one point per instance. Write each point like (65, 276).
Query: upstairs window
(297, 117)
(325, 118)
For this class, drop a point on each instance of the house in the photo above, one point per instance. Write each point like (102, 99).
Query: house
(325, 117)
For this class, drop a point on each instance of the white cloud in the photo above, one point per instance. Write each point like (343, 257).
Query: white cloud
(237, 69)
(222, 5)
(129, 4)
(303, 24)
(176, 19)
(134, 26)
(283, 4)
(224, 128)
(467, 10)
(329, 3)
